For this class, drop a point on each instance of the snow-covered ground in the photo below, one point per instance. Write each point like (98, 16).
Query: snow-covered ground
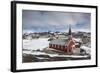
(35, 48)
(53, 55)
(35, 44)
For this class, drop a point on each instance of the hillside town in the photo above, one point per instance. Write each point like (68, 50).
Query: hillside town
(56, 46)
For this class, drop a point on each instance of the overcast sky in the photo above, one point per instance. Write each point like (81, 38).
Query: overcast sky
(42, 21)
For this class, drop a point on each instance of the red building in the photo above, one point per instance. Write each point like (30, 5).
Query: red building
(66, 45)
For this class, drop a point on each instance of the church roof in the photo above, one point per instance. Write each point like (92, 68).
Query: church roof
(59, 41)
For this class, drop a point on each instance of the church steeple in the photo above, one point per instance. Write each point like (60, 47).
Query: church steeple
(70, 33)
(69, 30)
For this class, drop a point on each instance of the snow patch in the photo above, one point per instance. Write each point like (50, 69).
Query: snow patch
(87, 49)
(35, 44)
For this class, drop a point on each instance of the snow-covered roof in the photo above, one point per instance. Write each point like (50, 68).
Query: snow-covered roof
(59, 41)
(85, 48)
(77, 39)
(64, 41)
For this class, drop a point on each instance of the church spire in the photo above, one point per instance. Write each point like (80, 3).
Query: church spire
(69, 30)
(70, 33)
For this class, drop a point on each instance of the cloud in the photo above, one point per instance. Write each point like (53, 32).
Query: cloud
(39, 21)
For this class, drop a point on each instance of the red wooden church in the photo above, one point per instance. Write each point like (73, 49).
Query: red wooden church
(65, 45)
